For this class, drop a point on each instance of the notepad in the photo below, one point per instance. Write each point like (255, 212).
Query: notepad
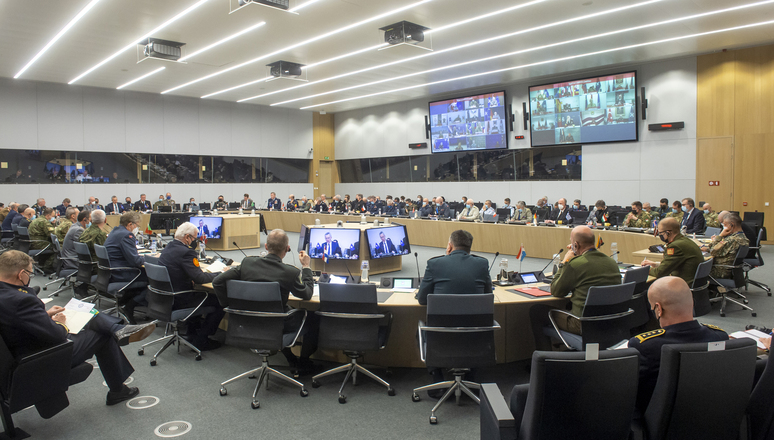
(532, 291)
(216, 266)
(751, 334)
(78, 314)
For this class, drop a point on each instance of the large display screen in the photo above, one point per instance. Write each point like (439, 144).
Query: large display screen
(470, 123)
(590, 110)
(336, 243)
(389, 241)
(208, 226)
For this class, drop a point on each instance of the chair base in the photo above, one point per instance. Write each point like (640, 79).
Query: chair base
(66, 283)
(456, 386)
(263, 373)
(758, 284)
(17, 434)
(351, 368)
(171, 336)
(724, 298)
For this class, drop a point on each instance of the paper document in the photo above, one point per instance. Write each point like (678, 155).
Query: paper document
(78, 314)
(751, 334)
(216, 266)
(46, 300)
(316, 291)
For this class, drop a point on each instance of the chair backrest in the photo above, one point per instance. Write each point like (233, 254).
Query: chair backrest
(579, 217)
(460, 348)
(246, 328)
(700, 289)
(103, 269)
(754, 217)
(737, 273)
(607, 300)
(23, 239)
(85, 265)
(357, 327)
(639, 302)
(639, 276)
(609, 308)
(160, 295)
(603, 394)
(695, 384)
(761, 406)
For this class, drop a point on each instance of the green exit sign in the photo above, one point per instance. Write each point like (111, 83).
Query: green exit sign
(327, 158)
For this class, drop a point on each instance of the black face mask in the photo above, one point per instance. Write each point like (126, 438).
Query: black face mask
(194, 244)
(662, 238)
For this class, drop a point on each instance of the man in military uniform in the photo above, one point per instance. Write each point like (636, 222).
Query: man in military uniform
(521, 213)
(711, 217)
(159, 202)
(638, 218)
(600, 215)
(305, 205)
(292, 203)
(725, 245)
(583, 267)
(70, 217)
(184, 273)
(663, 208)
(470, 212)
(95, 234)
(681, 257)
(170, 201)
(221, 204)
(39, 206)
(299, 282)
(671, 300)
(40, 231)
(677, 211)
(127, 205)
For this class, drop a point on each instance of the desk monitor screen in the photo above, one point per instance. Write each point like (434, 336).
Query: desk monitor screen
(528, 278)
(402, 283)
(584, 111)
(336, 243)
(210, 227)
(303, 238)
(204, 206)
(389, 241)
(233, 206)
(163, 208)
(469, 123)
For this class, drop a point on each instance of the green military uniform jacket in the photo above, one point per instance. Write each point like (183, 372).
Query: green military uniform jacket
(641, 220)
(40, 231)
(711, 220)
(61, 230)
(724, 255)
(681, 258)
(593, 268)
(91, 236)
(159, 203)
(524, 216)
(305, 206)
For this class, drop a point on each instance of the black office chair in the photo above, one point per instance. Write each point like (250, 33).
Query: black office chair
(579, 217)
(700, 288)
(733, 284)
(754, 263)
(701, 392)
(40, 379)
(161, 301)
(604, 321)
(459, 335)
(114, 291)
(25, 244)
(63, 275)
(754, 217)
(256, 318)
(85, 269)
(601, 394)
(760, 409)
(641, 314)
(350, 320)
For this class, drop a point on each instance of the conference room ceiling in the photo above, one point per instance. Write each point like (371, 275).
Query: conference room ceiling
(27, 26)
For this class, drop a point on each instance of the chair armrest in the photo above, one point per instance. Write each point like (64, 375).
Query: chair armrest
(351, 315)
(420, 336)
(556, 328)
(389, 327)
(300, 327)
(497, 422)
(495, 326)
(254, 313)
(46, 352)
(700, 288)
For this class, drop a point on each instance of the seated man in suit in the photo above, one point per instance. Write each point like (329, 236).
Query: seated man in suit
(8, 220)
(25, 218)
(681, 257)
(559, 214)
(693, 219)
(184, 273)
(114, 207)
(458, 272)
(247, 202)
(121, 246)
(299, 282)
(142, 205)
(385, 246)
(470, 212)
(521, 213)
(273, 203)
(320, 205)
(671, 300)
(390, 209)
(63, 207)
(331, 247)
(26, 327)
(203, 230)
(92, 205)
(441, 209)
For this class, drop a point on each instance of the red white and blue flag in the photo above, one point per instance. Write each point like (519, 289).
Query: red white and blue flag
(522, 253)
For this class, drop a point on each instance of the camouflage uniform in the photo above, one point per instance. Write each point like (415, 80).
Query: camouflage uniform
(726, 254)
(61, 230)
(91, 236)
(159, 203)
(678, 216)
(40, 230)
(524, 216)
(4, 213)
(642, 220)
(711, 220)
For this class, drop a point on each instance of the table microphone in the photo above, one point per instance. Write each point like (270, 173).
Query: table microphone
(416, 257)
(614, 254)
(552, 260)
(240, 249)
(226, 261)
(497, 254)
(350, 273)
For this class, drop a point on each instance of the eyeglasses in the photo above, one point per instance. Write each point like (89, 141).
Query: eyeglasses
(30, 275)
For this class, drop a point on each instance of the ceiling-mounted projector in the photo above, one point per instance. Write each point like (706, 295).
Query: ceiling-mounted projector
(279, 4)
(163, 49)
(285, 69)
(404, 32)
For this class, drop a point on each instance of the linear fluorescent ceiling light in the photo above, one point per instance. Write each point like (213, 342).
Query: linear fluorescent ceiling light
(556, 60)
(137, 41)
(462, 46)
(302, 5)
(532, 49)
(218, 43)
(305, 42)
(141, 78)
(377, 47)
(58, 35)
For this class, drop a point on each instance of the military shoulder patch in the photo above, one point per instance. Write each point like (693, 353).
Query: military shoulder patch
(642, 337)
(670, 251)
(196, 262)
(713, 327)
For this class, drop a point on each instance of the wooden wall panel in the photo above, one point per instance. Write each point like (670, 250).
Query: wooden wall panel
(324, 146)
(715, 162)
(715, 95)
(754, 84)
(754, 180)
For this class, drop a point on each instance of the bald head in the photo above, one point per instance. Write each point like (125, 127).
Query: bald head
(669, 224)
(707, 207)
(671, 300)
(28, 213)
(277, 242)
(582, 235)
(722, 215)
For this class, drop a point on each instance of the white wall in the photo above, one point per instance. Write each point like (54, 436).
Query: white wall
(47, 116)
(660, 164)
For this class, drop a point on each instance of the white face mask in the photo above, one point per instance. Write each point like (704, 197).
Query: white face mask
(561, 207)
(136, 230)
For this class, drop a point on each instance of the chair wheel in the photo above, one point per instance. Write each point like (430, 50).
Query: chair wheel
(223, 391)
(255, 405)
(433, 420)
(754, 314)
(152, 363)
(342, 398)
(390, 391)
(140, 352)
(315, 384)
(198, 357)
(45, 287)
(722, 314)
(415, 397)
(746, 301)
(304, 392)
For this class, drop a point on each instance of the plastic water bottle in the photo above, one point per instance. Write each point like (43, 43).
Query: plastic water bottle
(504, 269)
(240, 211)
(614, 249)
(153, 246)
(362, 219)
(364, 271)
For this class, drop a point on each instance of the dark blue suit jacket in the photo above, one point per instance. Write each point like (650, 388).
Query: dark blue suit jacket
(183, 267)
(121, 247)
(276, 204)
(9, 219)
(109, 208)
(24, 324)
(694, 223)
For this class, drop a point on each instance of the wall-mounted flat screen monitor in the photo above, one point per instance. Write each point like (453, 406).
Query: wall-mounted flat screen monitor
(584, 111)
(336, 243)
(209, 227)
(303, 238)
(389, 241)
(469, 123)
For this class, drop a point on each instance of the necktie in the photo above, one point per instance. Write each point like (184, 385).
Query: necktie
(115, 207)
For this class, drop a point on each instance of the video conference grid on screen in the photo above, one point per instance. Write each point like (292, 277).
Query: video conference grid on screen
(470, 123)
(337, 243)
(208, 226)
(387, 242)
(600, 109)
